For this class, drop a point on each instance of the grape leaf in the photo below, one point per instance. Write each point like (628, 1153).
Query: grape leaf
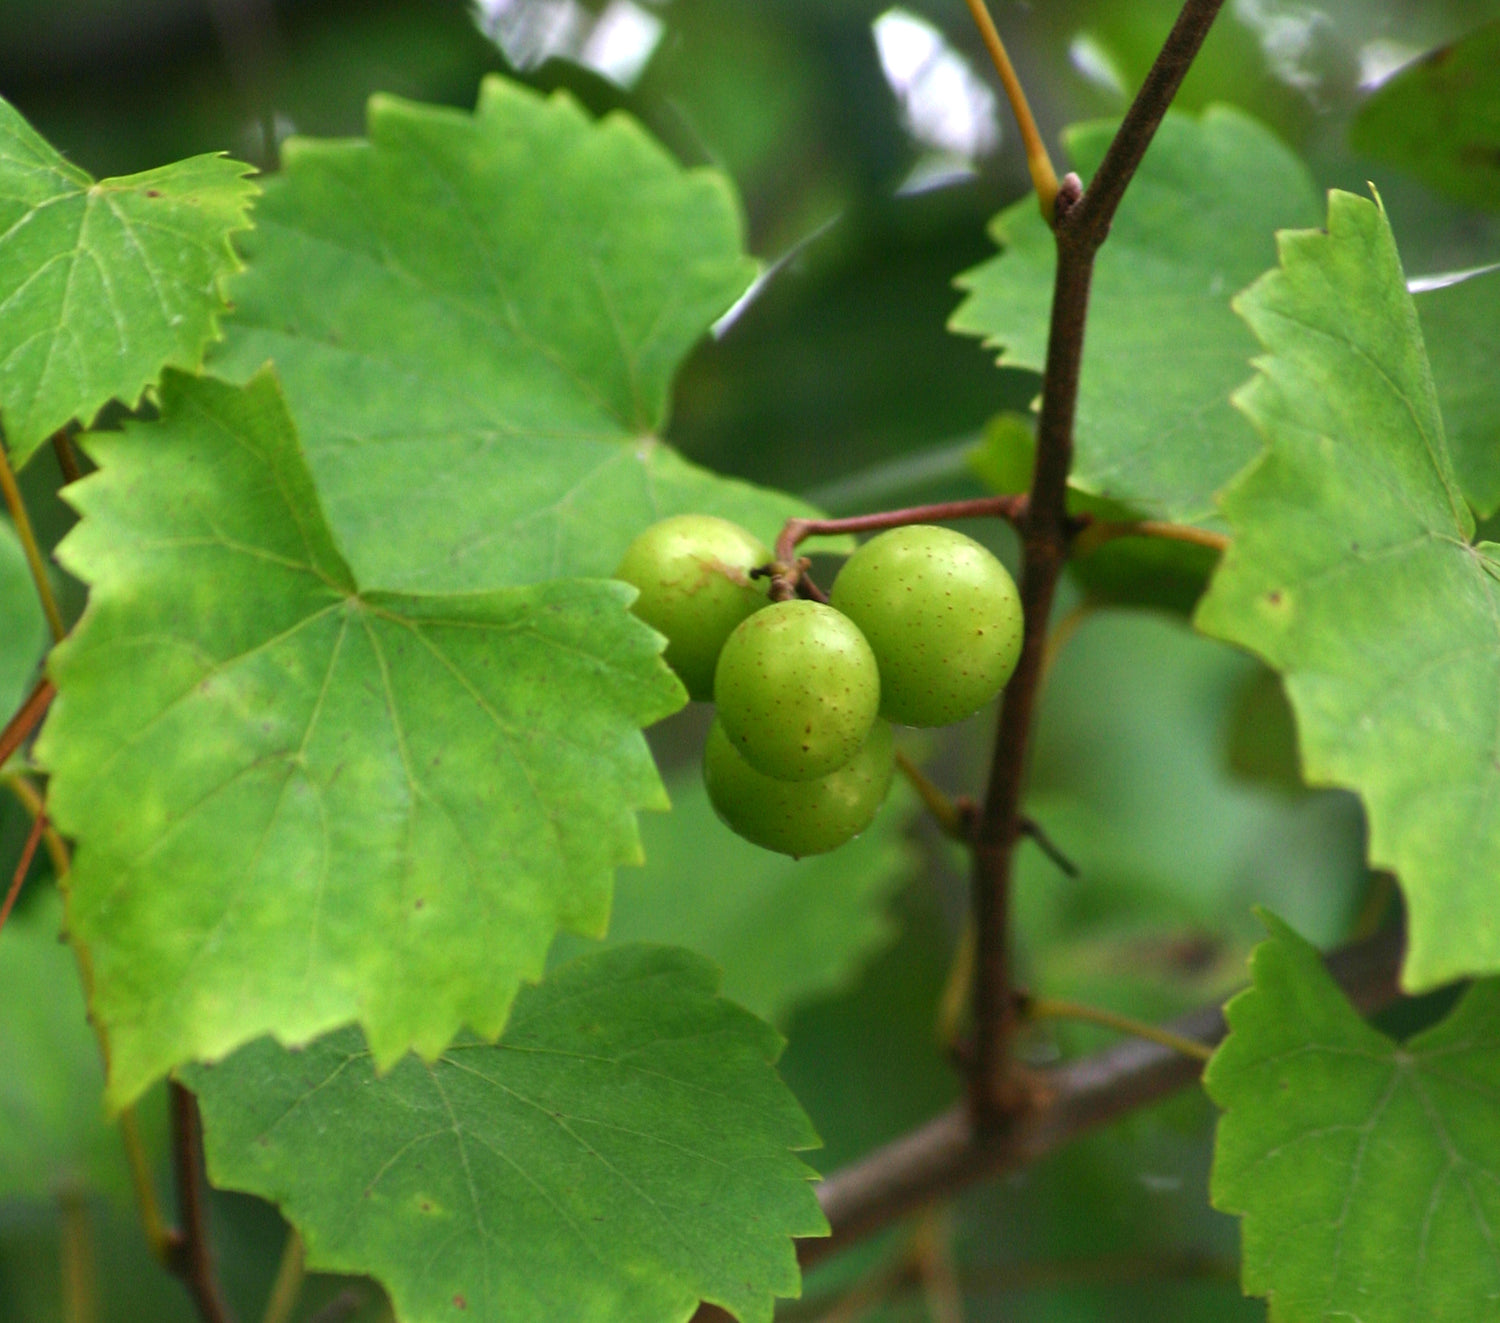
(25, 632)
(1351, 572)
(1365, 1170)
(1461, 327)
(1154, 428)
(52, 1132)
(1439, 119)
(623, 1152)
(783, 930)
(476, 319)
(102, 284)
(300, 803)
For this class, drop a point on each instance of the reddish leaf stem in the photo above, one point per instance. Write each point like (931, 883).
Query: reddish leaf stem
(783, 585)
(28, 853)
(67, 461)
(1080, 225)
(25, 720)
(190, 1255)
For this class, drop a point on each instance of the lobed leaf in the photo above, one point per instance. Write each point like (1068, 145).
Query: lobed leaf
(476, 319)
(1352, 573)
(623, 1152)
(1365, 1170)
(1154, 428)
(300, 803)
(104, 283)
(1439, 119)
(1461, 328)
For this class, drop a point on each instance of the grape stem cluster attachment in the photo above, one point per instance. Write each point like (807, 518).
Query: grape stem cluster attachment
(789, 571)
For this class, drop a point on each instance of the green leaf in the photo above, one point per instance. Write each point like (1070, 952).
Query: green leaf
(1352, 573)
(476, 319)
(1154, 428)
(25, 631)
(783, 930)
(1365, 1170)
(1439, 119)
(104, 284)
(53, 1138)
(621, 1154)
(1461, 327)
(300, 803)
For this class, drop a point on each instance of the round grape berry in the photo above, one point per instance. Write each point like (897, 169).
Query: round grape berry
(693, 573)
(942, 615)
(799, 817)
(797, 689)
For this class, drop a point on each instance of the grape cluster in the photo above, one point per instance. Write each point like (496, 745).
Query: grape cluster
(923, 627)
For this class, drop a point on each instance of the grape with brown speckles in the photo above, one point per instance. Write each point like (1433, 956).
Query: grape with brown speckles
(942, 615)
(799, 817)
(693, 574)
(797, 689)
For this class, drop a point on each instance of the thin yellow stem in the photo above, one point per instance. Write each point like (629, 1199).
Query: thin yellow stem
(80, 1278)
(22, 521)
(956, 991)
(158, 1237)
(288, 1284)
(1045, 1007)
(932, 1254)
(31, 801)
(938, 804)
(1062, 634)
(1379, 896)
(1038, 162)
(1105, 530)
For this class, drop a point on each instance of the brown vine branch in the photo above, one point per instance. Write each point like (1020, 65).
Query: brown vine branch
(997, 1096)
(1038, 162)
(1089, 221)
(783, 583)
(951, 1152)
(190, 1255)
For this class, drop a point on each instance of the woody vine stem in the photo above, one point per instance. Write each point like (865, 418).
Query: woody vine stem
(1004, 1114)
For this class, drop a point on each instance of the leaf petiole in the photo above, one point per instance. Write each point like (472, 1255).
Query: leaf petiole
(1038, 162)
(1037, 1008)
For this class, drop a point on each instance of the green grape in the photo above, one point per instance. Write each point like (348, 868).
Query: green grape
(799, 817)
(695, 587)
(797, 689)
(942, 615)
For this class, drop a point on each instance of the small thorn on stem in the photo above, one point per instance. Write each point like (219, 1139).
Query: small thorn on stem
(1030, 828)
